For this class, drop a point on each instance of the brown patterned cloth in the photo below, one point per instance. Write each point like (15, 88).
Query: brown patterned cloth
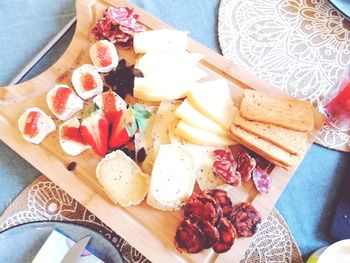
(43, 200)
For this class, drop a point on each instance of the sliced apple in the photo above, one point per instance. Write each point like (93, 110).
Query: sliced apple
(201, 137)
(213, 99)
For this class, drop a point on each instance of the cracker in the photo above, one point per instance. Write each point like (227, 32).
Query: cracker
(289, 140)
(264, 148)
(282, 111)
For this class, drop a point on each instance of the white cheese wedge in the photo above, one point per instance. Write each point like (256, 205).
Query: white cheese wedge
(163, 40)
(204, 159)
(122, 179)
(161, 88)
(190, 115)
(174, 139)
(45, 125)
(165, 116)
(70, 146)
(213, 99)
(201, 137)
(72, 106)
(78, 84)
(145, 140)
(172, 179)
(102, 50)
(167, 63)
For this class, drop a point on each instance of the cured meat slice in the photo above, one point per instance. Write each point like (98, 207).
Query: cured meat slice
(210, 233)
(246, 219)
(223, 200)
(224, 155)
(227, 234)
(227, 171)
(245, 165)
(189, 238)
(197, 210)
(262, 180)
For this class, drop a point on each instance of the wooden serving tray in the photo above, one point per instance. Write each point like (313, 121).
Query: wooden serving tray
(149, 230)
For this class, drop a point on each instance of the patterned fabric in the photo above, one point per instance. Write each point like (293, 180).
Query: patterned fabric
(301, 46)
(43, 200)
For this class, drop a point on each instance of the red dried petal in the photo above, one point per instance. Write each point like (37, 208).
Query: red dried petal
(118, 25)
(245, 165)
(262, 180)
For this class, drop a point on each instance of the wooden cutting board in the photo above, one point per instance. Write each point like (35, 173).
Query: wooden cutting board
(150, 231)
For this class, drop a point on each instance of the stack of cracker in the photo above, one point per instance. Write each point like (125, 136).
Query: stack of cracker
(273, 126)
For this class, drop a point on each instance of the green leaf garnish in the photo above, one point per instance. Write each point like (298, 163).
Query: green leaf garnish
(139, 116)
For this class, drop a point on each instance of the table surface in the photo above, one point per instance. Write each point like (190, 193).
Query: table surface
(308, 203)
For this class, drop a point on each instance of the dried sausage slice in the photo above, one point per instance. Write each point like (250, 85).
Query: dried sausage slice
(224, 201)
(210, 233)
(246, 219)
(189, 237)
(196, 210)
(245, 165)
(227, 236)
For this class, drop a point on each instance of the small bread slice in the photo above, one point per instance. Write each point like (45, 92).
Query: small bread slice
(122, 179)
(289, 140)
(264, 148)
(282, 111)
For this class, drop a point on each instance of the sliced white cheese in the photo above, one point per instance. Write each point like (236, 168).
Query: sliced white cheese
(77, 82)
(174, 139)
(172, 179)
(204, 159)
(213, 99)
(162, 40)
(201, 137)
(165, 115)
(95, 55)
(122, 179)
(45, 125)
(145, 140)
(190, 115)
(167, 63)
(73, 105)
(71, 147)
(161, 88)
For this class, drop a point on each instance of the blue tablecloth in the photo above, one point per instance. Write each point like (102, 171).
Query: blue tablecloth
(307, 204)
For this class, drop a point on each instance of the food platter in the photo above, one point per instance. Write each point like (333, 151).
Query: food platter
(137, 223)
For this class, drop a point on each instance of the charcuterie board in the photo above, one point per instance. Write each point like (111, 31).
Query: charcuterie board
(149, 230)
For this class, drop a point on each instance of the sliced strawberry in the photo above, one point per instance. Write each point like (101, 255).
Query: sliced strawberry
(73, 133)
(31, 127)
(94, 130)
(119, 135)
